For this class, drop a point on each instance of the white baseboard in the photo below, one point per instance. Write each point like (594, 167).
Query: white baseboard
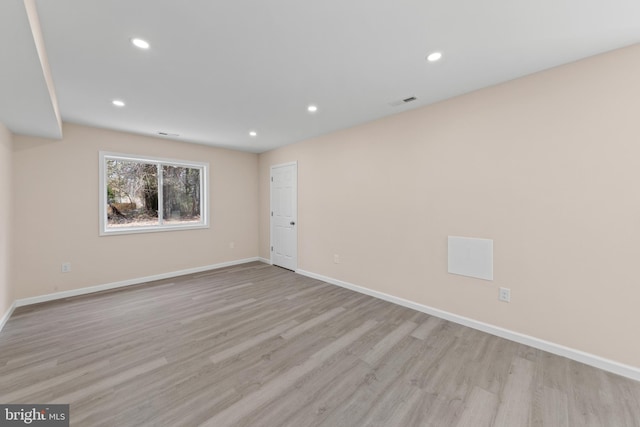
(5, 317)
(266, 261)
(628, 371)
(98, 288)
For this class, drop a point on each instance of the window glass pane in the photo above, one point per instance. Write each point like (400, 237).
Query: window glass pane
(147, 194)
(180, 195)
(132, 194)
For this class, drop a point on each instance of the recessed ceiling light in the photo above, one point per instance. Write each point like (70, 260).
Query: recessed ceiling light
(312, 108)
(118, 103)
(142, 44)
(435, 56)
(253, 133)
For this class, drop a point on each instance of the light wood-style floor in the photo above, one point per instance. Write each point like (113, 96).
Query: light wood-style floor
(256, 345)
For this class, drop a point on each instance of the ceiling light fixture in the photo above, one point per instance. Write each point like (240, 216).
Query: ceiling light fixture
(253, 133)
(118, 103)
(312, 108)
(142, 44)
(435, 56)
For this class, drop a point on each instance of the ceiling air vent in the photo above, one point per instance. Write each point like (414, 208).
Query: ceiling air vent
(403, 101)
(173, 135)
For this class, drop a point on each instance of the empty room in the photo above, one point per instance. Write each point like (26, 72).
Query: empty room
(286, 213)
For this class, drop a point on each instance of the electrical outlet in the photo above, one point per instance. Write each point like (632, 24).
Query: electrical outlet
(504, 295)
(66, 267)
(336, 259)
(232, 245)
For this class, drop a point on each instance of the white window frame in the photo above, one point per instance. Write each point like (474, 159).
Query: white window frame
(204, 194)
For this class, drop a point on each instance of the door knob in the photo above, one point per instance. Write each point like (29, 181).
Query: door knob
(292, 223)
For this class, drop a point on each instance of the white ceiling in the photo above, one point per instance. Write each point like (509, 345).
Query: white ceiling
(218, 69)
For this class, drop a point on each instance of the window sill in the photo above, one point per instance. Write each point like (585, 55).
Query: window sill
(151, 229)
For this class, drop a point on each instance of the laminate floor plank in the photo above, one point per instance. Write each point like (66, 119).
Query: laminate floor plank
(388, 342)
(309, 324)
(271, 390)
(374, 386)
(257, 345)
(425, 329)
(515, 401)
(305, 400)
(247, 344)
(479, 409)
(555, 406)
(325, 398)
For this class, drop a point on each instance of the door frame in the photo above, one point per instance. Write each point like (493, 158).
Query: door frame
(293, 163)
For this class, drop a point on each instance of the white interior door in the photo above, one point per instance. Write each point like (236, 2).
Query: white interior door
(284, 215)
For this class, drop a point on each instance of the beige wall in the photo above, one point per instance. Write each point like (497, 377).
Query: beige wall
(548, 166)
(56, 213)
(6, 288)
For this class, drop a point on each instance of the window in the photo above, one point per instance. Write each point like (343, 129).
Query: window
(142, 194)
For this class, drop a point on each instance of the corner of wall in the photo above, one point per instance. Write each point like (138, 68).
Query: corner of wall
(7, 293)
